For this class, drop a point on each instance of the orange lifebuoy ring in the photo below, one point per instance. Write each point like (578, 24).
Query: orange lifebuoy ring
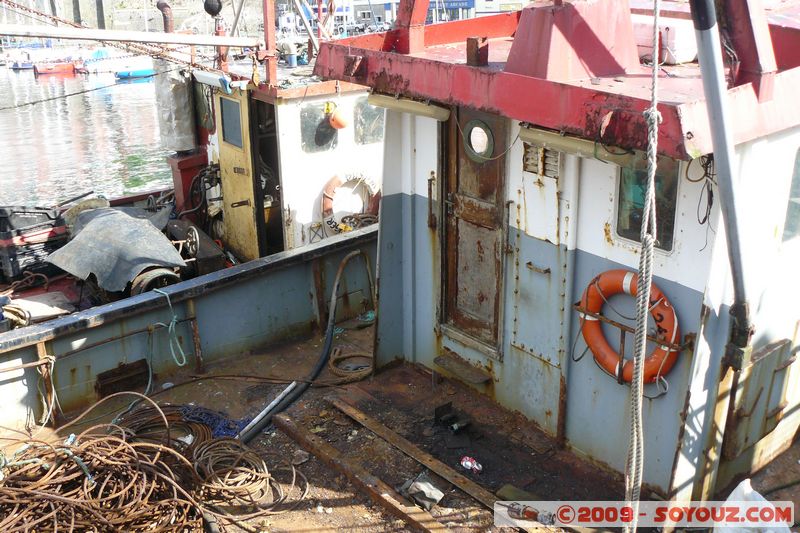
(619, 281)
(329, 191)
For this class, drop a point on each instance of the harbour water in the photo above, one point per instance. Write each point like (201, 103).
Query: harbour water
(104, 139)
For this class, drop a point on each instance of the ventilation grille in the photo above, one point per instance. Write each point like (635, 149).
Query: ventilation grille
(541, 161)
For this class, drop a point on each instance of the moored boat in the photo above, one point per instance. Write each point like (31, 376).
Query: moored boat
(134, 74)
(22, 65)
(57, 67)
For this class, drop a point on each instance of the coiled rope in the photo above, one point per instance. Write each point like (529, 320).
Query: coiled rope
(635, 462)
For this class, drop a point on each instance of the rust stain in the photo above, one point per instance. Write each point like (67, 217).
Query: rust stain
(561, 424)
(607, 232)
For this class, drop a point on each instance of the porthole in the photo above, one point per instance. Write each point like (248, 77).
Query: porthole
(478, 141)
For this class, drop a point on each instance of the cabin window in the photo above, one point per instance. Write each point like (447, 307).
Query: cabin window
(791, 228)
(630, 201)
(369, 121)
(231, 122)
(317, 134)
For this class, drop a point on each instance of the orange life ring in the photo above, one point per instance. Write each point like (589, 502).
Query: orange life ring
(329, 191)
(619, 281)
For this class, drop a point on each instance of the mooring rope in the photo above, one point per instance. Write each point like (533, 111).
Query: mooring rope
(635, 462)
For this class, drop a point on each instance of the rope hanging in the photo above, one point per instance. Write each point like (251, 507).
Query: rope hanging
(635, 462)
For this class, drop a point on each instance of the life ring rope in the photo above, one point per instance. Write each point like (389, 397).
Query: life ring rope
(665, 353)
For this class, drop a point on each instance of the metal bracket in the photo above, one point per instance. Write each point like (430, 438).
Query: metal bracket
(431, 214)
(540, 270)
(688, 343)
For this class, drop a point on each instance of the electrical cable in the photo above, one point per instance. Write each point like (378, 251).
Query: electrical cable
(298, 388)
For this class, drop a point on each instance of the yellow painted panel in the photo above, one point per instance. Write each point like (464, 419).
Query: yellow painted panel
(236, 170)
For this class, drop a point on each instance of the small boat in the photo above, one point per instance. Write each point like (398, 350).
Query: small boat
(131, 74)
(58, 67)
(22, 65)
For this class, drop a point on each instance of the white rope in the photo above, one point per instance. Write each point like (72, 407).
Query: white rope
(635, 462)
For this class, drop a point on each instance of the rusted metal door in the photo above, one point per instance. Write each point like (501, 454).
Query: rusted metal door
(474, 200)
(241, 203)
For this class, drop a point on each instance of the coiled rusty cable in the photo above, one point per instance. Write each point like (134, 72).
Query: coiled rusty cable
(111, 478)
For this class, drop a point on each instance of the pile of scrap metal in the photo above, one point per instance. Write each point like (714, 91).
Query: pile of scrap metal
(130, 250)
(114, 252)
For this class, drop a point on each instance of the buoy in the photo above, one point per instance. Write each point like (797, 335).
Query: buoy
(337, 119)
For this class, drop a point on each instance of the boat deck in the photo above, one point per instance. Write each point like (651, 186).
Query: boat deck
(400, 400)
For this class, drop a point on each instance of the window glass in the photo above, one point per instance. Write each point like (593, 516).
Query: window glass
(791, 228)
(317, 134)
(231, 122)
(632, 183)
(369, 121)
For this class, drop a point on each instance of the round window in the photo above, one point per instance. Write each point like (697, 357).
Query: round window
(478, 141)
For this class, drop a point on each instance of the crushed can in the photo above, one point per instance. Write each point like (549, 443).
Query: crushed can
(471, 464)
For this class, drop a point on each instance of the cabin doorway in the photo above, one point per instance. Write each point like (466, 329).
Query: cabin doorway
(243, 222)
(268, 174)
(473, 234)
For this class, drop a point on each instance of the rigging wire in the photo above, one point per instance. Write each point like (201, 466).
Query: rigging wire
(150, 49)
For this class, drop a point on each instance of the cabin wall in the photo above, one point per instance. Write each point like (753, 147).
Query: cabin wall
(767, 168)
(238, 309)
(304, 174)
(560, 234)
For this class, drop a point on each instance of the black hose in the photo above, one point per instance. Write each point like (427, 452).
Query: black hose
(200, 175)
(300, 387)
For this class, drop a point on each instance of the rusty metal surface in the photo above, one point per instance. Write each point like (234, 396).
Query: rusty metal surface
(375, 488)
(346, 404)
(128, 376)
(439, 74)
(477, 51)
(473, 234)
(511, 449)
(456, 365)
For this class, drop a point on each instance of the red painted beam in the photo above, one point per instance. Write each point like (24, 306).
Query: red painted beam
(492, 26)
(683, 134)
(269, 40)
(410, 25)
(749, 32)
(562, 107)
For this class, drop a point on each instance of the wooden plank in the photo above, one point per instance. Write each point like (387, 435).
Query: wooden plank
(467, 485)
(380, 492)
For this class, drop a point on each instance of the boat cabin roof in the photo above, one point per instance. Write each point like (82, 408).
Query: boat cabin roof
(575, 67)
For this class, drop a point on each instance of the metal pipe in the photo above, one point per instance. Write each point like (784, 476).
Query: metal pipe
(716, 91)
(236, 16)
(86, 34)
(166, 14)
(267, 410)
(307, 25)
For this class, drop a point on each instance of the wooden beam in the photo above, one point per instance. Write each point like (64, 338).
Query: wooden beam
(87, 34)
(462, 482)
(380, 492)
